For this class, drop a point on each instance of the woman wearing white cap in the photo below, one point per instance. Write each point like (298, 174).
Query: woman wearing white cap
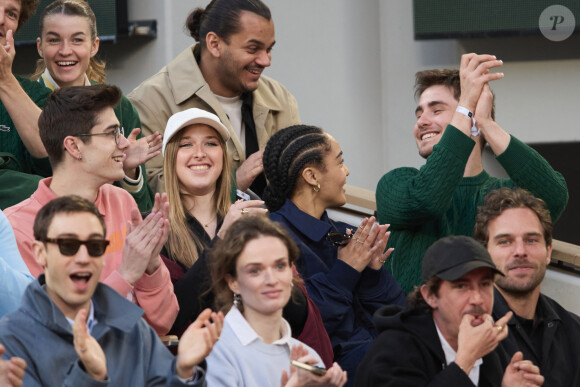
(198, 184)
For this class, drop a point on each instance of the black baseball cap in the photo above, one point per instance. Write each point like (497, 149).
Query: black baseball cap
(452, 257)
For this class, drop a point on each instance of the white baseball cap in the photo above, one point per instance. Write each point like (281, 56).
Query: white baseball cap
(192, 116)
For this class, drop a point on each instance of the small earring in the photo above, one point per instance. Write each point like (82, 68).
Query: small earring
(80, 158)
(291, 284)
(316, 188)
(237, 300)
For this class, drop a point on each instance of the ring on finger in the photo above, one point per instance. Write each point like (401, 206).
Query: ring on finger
(499, 328)
(245, 211)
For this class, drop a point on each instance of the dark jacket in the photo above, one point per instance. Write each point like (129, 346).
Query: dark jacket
(559, 361)
(346, 298)
(193, 291)
(408, 352)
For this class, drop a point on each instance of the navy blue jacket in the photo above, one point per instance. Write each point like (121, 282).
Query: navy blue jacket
(346, 298)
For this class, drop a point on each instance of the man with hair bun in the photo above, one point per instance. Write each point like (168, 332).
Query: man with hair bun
(222, 74)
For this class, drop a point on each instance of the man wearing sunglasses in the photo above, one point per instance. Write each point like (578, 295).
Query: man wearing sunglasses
(84, 141)
(99, 336)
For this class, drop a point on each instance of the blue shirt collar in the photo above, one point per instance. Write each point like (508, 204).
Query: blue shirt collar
(309, 226)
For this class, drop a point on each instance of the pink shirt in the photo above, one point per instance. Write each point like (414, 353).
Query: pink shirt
(154, 293)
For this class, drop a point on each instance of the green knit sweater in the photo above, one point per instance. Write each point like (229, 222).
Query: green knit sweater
(435, 201)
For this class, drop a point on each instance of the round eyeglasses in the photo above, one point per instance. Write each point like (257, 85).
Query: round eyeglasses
(117, 132)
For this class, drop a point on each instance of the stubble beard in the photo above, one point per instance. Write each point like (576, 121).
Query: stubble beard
(520, 289)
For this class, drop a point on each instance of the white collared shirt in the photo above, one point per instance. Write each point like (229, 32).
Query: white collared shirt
(246, 334)
(91, 320)
(51, 83)
(450, 355)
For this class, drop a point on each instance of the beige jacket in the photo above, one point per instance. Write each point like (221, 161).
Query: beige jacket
(180, 86)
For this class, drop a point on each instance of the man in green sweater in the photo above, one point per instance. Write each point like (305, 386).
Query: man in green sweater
(454, 122)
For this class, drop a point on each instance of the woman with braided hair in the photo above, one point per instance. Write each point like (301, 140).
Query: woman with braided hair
(342, 268)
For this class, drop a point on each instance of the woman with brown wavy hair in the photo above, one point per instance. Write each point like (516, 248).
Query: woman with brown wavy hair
(251, 269)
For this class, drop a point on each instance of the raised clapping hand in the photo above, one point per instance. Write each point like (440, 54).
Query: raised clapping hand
(198, 341)
(474, 74)
(497, 138)
(238, 209)
(521, 373)
(161, 205)
(89, 350)
(366, 246)
(141, 150)
(11, 371)
(474, 342)
(483, 109)
(7, 53)
(249, 169)
(144, 241)
(334, 376)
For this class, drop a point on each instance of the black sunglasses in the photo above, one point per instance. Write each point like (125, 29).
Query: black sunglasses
(338, 239)
(70, 246)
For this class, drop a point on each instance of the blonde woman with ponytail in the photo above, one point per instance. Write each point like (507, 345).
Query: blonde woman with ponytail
(68, 45)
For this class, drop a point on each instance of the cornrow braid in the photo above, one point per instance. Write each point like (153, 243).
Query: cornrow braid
(287, 153)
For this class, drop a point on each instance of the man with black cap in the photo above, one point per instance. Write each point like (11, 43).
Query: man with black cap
(447, 337)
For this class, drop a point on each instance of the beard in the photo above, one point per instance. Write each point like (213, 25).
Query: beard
(231, 74)
(520, 287)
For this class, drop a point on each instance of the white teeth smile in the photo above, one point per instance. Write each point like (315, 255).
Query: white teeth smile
(254, 71)
(118, 159)
(428, 135)
(65, 63)
(80, 277)
(199, 167)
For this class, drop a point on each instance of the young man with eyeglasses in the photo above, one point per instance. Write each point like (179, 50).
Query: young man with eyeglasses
(82, 136)
(100, 337)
